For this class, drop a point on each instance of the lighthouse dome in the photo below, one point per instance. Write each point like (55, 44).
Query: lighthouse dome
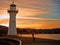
(13, 5)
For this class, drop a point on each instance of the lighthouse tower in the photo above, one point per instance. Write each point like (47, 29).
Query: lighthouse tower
(12, 21)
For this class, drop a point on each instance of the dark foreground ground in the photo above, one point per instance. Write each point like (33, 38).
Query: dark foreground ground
(30, 41)
(37, 41)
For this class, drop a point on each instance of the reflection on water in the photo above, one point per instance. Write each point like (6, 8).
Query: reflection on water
(45, 36)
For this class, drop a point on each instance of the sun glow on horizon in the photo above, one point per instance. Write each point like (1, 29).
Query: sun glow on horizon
(32, 13)
(5, 25)
(32, 22)
(4, 16)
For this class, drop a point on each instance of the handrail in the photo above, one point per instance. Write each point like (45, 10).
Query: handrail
(11, 39)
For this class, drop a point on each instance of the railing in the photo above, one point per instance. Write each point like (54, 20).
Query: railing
(10, 41)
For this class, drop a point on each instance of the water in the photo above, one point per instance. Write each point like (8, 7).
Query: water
(45, 36)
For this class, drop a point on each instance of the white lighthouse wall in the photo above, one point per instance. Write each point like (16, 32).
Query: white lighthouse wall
(12, 24)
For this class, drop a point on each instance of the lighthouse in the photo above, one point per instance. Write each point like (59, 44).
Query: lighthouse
(12, 20)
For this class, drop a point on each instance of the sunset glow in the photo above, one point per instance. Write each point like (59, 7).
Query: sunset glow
(38, 14)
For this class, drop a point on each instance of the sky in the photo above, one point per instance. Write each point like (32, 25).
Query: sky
(38, 14)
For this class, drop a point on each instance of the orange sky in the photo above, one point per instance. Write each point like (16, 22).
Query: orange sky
(32, 14)
(27, 22)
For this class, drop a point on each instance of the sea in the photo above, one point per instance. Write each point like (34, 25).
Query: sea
(44, 36)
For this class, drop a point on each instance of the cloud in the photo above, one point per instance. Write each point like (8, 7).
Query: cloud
(29, 10)
(34, 22)
(29, 7)
(3, 12)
